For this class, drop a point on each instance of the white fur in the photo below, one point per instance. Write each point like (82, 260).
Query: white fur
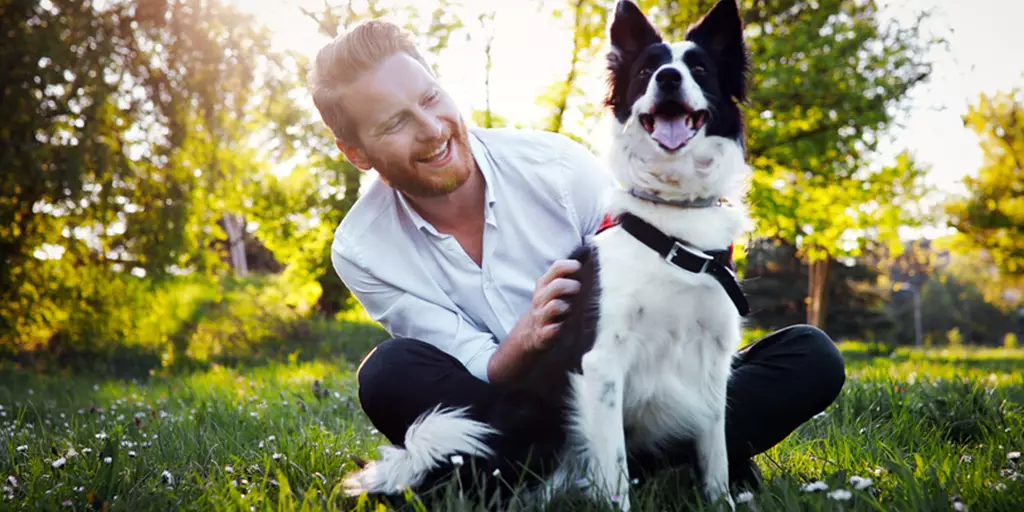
(435, 435)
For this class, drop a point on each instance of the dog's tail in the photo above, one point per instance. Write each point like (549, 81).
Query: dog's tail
(435, 435)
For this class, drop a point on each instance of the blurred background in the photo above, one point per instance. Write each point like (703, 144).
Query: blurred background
(168, 194)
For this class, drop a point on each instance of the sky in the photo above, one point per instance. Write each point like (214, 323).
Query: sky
(531, 50)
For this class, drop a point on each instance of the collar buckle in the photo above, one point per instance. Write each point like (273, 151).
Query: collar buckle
(676, 247)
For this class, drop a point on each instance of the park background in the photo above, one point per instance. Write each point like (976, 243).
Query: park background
(168, 198)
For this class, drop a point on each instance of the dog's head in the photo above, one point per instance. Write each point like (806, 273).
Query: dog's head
(678, 129)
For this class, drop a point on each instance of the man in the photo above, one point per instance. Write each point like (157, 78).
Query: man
(459, 250)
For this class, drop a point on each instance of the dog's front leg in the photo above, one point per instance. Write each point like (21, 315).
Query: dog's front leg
(715, 460)
(599, 395)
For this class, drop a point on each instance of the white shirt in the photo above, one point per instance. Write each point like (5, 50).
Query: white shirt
(544, 196)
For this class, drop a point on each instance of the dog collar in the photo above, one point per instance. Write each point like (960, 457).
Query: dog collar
(700, 202)
(717, 264)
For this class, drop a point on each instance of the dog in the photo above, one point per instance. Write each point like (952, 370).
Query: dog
(644, 356)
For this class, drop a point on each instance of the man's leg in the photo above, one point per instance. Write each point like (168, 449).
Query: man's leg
(778, 383)
(403, 378)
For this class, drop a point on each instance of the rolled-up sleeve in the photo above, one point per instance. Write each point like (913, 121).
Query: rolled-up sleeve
(405, 315)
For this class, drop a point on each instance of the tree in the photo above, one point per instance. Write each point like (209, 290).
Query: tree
(828, 78)
(990, 219)
(130, 128)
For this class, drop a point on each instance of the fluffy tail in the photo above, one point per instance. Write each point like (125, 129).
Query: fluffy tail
(435, 435)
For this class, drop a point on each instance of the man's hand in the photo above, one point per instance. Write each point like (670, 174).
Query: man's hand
(539, 325)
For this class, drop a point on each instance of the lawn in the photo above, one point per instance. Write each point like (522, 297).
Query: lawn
(912, 430)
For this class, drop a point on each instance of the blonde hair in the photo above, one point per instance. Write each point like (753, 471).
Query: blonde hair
(345, 58)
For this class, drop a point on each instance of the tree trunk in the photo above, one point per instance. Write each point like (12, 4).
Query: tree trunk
(817, 292)
(236, 244)
(918, 328)
(562, 103)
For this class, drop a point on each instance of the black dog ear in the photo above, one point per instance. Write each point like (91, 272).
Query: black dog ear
(630, 32)
(720, 33)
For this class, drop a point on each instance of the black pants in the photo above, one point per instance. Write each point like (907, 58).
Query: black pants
(778, 383)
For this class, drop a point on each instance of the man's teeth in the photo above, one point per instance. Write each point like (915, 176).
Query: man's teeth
(437, 151)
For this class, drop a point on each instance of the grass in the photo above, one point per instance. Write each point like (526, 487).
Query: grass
(933, 430)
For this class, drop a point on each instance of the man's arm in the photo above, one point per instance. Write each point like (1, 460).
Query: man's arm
(535, 330)
(405, 315)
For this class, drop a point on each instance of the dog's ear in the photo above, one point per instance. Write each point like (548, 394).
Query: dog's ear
(630, 33)
(720, 33)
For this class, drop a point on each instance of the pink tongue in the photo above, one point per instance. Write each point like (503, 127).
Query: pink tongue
(672, 133)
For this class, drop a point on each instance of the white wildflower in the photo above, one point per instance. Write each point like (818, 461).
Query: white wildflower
(1013, 455)
(457, 460)
(959, 506)
(272, 438)
(744, 497)
(23, 448)
(101, 436)
(68, 503)
(87, 451)
(131, 453)
(108, 460)
(59, 463)
(496, 473)
(840, 495)
(277, 456)
(860, 483)
(967, 459)
(261, 445)
(228, 468)
(13, 481)
(815, 486)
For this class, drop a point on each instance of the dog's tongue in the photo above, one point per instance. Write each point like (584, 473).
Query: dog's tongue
(671, 133)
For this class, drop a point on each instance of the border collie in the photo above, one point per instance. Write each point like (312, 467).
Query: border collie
(644, 356)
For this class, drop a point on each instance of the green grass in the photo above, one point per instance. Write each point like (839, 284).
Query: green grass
(925, 427)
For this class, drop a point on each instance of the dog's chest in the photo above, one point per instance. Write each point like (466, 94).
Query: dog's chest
(675, 333)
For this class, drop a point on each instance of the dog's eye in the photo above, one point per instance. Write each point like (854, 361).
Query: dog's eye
(644, 74)
(697, 68)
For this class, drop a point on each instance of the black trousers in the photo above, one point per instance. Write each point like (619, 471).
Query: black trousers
(778, 383)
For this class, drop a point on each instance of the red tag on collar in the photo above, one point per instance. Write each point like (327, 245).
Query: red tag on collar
(608, 222)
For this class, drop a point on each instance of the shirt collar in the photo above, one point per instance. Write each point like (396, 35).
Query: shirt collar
(480, 155)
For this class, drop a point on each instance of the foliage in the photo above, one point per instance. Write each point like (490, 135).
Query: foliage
(775, 282)
(990, 220)
(924, 426)
(132, 128)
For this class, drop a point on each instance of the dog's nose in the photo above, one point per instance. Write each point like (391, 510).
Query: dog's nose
(669, 79)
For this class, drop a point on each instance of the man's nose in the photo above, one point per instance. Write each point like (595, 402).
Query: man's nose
(669, 79)
(432, 127)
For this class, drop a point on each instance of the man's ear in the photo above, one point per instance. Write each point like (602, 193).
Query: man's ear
(354, 155)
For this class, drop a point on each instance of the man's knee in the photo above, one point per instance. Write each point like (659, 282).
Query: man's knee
(823, 358)
(373, 377)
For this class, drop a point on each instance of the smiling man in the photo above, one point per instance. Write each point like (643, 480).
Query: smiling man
(460, 250)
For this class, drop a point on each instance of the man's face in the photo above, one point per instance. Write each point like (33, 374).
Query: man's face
(407, 129)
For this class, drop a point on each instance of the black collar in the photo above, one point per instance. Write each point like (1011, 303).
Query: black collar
(717, 264)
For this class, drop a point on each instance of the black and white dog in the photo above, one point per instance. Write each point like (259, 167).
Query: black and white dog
(643, 358)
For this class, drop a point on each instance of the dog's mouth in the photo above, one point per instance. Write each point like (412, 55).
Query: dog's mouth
(673, 124)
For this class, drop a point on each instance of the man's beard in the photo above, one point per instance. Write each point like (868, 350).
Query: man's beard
(427, 185)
